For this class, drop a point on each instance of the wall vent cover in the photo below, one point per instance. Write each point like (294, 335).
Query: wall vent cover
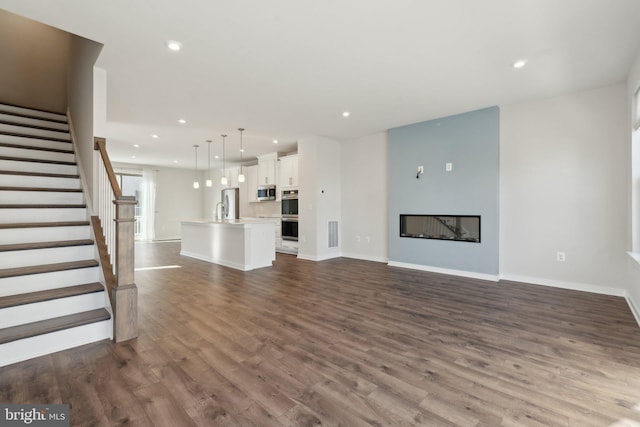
(333, 234)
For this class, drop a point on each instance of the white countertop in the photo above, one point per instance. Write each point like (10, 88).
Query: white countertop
(241, 221)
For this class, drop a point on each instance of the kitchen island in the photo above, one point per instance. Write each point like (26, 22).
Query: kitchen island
(244, 244)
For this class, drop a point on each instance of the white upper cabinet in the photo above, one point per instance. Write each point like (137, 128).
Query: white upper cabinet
(251, 176)
(267, 169)
(289, 171)
(232, 177)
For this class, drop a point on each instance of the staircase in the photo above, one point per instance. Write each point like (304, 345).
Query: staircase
(50, 295)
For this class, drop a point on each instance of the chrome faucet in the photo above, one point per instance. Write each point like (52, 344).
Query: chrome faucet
(222, 211)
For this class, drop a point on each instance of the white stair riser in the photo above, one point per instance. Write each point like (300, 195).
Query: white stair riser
(26, 121)
(35, 142)
(8, 180)
(41, 345)
(45, 281)
(35, 312)
(12, 216)
(10, 236)
(16, 165)
(41, 197)
(27, 131)
(26, 153)
(33, 113)
(33, 257)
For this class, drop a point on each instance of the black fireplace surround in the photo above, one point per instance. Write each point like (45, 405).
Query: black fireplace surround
(460, 228)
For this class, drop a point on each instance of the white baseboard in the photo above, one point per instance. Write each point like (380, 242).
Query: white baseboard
(365, 257)
(317, 258)
(462, 273)
(576, 286)
(635, 308)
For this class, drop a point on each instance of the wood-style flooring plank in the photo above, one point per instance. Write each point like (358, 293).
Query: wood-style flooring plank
(346, 342)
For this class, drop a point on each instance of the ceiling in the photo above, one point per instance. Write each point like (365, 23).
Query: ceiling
(286, 69)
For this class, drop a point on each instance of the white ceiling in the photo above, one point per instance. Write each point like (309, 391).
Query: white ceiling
(285, 69)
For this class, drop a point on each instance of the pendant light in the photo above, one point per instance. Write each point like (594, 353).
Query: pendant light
(196, 184)
(241, 175)
(209, 183)
(223, 180)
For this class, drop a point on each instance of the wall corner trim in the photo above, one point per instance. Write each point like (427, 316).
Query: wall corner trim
(469, 274)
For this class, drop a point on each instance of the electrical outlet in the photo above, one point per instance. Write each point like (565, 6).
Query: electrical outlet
(448, 167)
(560, 256)
(420, 169)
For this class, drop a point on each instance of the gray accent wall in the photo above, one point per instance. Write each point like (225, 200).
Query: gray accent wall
(471, 142)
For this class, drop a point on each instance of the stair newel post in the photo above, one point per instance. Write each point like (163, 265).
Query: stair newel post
(116, 247)
(125, 293)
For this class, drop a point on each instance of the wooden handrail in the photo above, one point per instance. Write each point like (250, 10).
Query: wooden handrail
(117, 215)
(100, 144)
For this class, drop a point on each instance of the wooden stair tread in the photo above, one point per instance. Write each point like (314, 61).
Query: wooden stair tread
(44, 174)
(42, 327)
(29, 147)
(32, 126)
(47, 268)
(52, 190)
(24, 159)
(38, 137)
(31, 110)
(32, 116)
(51, 206)
(50, 294)
(45, 245)
(45, 224)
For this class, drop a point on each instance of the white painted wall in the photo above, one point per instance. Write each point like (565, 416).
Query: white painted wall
(176, 200)
(35, 58)
(564, 187)
(365, 197)
(320, 199)
(83, 54)
(99, 102)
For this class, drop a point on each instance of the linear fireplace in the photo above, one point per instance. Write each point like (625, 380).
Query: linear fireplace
(462, 228)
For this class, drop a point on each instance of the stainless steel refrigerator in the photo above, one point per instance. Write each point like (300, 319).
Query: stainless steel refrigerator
(231, 203)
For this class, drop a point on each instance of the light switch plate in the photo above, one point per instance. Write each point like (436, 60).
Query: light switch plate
(448, 167)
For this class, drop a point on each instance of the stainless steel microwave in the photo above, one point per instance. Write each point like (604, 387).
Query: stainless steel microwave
(266, 192)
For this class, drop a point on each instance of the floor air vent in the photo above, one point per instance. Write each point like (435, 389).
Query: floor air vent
(333, 234)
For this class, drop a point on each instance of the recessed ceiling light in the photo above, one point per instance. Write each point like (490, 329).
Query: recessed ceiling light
(346, 114)
(133, 157)
(182, 121)
(242, 150)
(216, 157)
(136, 145)
(175, 161)
(174, 45)
(519, 63)
(154, 136)
(275, 141)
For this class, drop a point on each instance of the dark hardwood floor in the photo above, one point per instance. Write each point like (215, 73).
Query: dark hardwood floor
(346, 342)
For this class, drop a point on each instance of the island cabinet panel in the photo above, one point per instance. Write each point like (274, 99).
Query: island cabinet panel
(244, 244)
